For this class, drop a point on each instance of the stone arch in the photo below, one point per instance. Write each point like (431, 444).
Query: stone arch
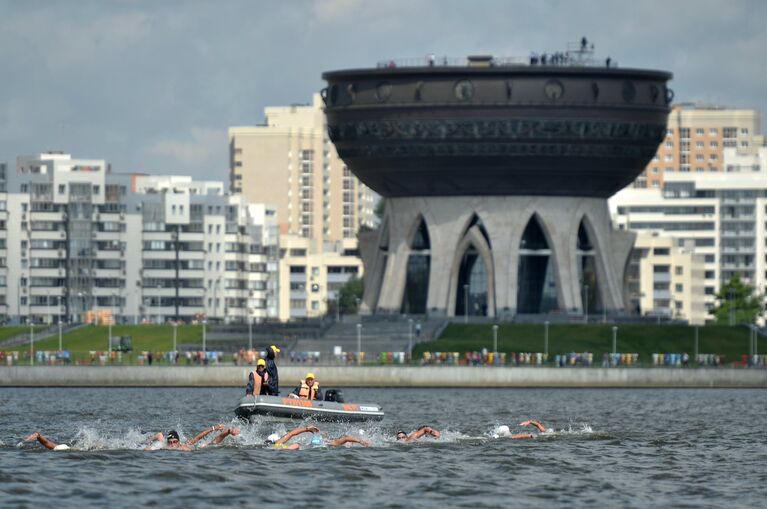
(417, 271)
(537, 276)
(374, 284)
(473, 238)
(598, 299)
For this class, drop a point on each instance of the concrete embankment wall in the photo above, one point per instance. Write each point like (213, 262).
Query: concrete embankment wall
(380, 376)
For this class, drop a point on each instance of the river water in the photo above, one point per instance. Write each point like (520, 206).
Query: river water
(628, 448)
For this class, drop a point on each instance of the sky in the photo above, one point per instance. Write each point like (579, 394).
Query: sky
(152, 86)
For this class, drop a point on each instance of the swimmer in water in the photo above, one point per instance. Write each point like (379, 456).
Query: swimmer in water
(504, 431)
(171, 439)
(49, 444)
(420, 432)
(282, 442)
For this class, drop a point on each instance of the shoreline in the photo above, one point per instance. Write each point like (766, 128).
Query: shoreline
(386, 376)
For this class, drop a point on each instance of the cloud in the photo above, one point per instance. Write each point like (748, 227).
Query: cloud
(199, 151)
(62, 43)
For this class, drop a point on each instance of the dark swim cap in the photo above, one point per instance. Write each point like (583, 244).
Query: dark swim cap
(172, 434)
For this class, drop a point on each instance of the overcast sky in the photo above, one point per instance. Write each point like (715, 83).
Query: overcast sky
(153, 86)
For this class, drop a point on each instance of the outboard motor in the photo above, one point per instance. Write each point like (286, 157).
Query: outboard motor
(336, 395)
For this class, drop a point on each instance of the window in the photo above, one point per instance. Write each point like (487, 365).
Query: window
(678, 270)
(713, 157)
(684, 132)
(669, 144)
(699, 131)
(699, 144)
(713, 144)
(62, 188)
(669, 158)
(713, 131)
(699, 157)
(678, 287)
(660, 251)
(744, 130)
(96, 189)
(744, 143)
(729, 132)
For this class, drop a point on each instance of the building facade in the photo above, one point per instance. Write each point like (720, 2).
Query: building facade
(723, 215)
(289, 162)
(81, 241)
(696, 138)
(310, 279)
(665, 280)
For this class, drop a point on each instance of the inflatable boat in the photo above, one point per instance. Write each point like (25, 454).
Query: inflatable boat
(332, 408)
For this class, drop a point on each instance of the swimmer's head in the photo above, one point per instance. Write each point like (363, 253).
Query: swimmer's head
(172, 438)
(271, 439)
(401, 435)
(502, 431)
(316, 441)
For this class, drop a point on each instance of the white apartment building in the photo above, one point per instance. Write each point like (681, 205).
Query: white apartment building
(722, 214)
(77, 238)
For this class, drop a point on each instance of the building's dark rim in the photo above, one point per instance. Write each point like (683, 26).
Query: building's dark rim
(506, 70)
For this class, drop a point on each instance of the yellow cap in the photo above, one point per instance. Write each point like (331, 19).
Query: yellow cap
(261, 362)
(275, 349)
(308, 376)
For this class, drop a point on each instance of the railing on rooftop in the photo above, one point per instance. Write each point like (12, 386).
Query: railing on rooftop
(576, 55)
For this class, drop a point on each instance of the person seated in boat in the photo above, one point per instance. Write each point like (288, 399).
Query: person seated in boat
(309, 389)
(258, 380)
(282, 442)
(419, 433)
(171, 439)
(271, 369)
(505, 432)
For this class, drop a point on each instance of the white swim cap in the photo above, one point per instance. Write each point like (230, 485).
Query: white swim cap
(503, 431)
(273, 437)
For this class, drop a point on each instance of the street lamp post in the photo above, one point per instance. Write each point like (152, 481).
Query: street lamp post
(48, 322)
(495, 343)
(109, 341)
(338, 306)
(175, 337)
(410, 336)
(60, 336)
(250, 334)
(585, 303)
(615, 338)
(204, 323)
(159, 301)
(31, 341)
(695, 358)
(359, 344)
(465, 303)
(546, 338)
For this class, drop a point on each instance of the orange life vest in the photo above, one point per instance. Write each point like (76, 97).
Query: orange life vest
(308, 393)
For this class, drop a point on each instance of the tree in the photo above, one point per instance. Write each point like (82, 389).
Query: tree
(737, 302)
(349, 294)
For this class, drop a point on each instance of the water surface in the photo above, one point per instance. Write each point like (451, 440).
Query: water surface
(639, 448)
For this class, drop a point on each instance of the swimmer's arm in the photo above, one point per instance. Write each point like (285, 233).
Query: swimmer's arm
(49, 444)
(347, 440)
(534, 423)
(296, 432)
(522, 435)
(204, 433)
(426, 430)
(227, 432)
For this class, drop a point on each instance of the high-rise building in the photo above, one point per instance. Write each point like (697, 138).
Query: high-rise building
(723, 215)
(289, 162)
(696, 137)
(77, 239)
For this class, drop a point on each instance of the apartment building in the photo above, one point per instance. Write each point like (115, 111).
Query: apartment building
(311, 278)
(696, 138)
(77, 238)
(289, 162)
(665, 279)
(723, 215)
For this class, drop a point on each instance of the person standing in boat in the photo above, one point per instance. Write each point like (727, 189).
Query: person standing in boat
(309, 389)
(271, 370)
(258, 380)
